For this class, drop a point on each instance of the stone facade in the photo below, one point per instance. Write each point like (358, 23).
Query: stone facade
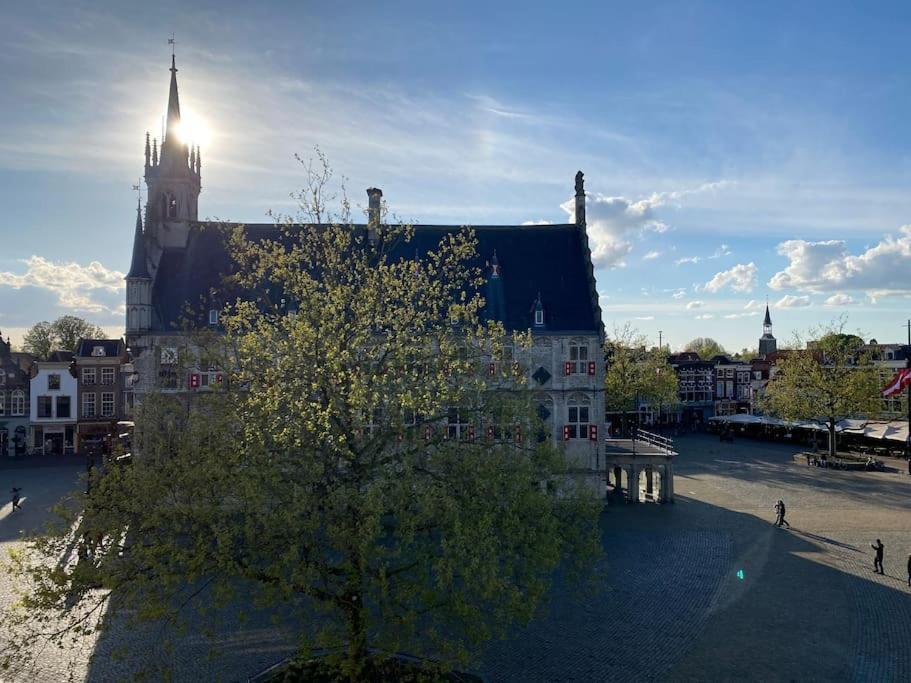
(14, 403)
(541, 279)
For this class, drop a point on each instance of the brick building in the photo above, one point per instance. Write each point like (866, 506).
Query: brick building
(100, 391)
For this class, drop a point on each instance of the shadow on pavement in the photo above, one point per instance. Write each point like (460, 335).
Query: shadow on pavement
(672, 605)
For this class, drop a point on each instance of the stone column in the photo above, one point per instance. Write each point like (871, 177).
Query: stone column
(649, 482)
(633, 474)
(618, 478)
(669, 475)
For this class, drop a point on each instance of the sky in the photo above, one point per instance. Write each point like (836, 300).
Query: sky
(734, 153)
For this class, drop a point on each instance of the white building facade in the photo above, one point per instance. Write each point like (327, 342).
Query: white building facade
(53, 407)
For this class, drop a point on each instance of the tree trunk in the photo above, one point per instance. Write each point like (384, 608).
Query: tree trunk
(358, 654)
(831, 440)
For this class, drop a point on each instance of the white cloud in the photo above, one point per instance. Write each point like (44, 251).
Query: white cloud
(688, 259)
(613, 221)
(693, 304)
(827, 266)
(722, 250)
(736, 316)
(753, 305)
(651, 255)
(538, 222)
(705, 316)
(790, 301)
(679, 294)
(840, 300)
(72, 283)
(740, 278)
(644, 317)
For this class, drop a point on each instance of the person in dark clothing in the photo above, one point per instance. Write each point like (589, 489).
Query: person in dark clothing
(909, 569)
(878, 560)
(16, 498)
(780, 509)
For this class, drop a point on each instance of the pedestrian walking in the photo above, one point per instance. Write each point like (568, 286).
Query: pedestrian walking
(781, 512)
(16, 498)
(778, 513)
(878, 560)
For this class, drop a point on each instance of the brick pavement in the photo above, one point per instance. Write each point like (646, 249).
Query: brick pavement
(670, 605)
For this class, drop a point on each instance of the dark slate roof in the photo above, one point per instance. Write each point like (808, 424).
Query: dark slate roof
(113, 348)
(550, 259)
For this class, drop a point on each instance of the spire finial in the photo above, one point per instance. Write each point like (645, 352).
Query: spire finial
(173, 100)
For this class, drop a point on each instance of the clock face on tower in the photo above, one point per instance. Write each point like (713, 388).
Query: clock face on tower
(168, 355)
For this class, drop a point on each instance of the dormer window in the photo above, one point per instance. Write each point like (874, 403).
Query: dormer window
(539, 318)
(97, 351)
(213, 316)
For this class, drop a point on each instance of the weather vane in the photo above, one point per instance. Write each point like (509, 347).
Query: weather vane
(172, 44)
(137, 189)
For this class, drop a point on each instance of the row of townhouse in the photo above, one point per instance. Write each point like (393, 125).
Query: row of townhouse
(722, 386)
(66, 404)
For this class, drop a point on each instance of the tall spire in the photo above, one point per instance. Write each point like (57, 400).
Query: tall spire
(768, 318)
(138, 266)
(173, 105)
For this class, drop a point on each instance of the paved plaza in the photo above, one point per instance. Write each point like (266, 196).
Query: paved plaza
(671, 605)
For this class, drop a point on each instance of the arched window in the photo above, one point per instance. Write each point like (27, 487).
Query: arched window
(578, 418)
(172, 206)
(17, 403)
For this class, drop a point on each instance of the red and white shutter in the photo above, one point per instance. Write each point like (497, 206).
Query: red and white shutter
(566, 432)
(568, 368)
(591, 367)
(593, 432)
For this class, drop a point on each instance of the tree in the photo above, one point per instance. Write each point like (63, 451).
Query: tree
(69, 329)
(706, 347)
(635, 374)
(64, 334)
(830, 380)
(357, 465)
(39, 340)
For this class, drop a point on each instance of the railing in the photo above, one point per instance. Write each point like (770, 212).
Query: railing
(662, 443)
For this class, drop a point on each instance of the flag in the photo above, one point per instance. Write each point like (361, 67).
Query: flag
(898, 383)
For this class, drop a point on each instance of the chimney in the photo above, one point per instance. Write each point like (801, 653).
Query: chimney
(374, 204)
(580, 198)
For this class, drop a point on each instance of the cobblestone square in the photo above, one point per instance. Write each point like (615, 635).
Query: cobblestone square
(672, 605)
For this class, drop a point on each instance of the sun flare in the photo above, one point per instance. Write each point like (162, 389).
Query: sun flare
(193, 130)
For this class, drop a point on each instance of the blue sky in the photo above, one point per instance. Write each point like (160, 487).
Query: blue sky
(733, 152)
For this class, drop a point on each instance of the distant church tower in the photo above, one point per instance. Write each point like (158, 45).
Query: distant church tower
(767, 343)
(173, 180)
